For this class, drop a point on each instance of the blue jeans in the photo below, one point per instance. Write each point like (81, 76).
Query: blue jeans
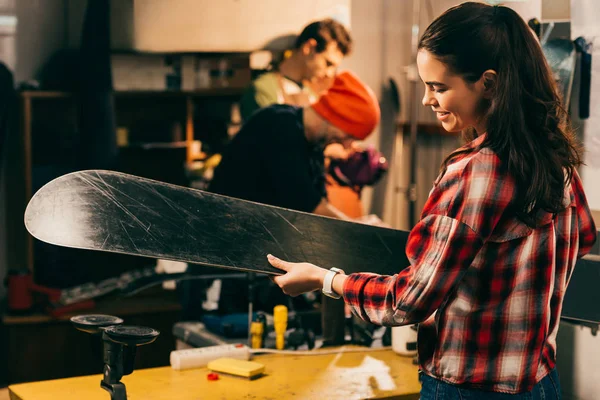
(433, 389)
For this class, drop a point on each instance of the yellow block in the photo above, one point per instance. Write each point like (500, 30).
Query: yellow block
(232, 366)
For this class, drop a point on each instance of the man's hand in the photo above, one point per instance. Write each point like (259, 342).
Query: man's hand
(320, 85)
(336, 151)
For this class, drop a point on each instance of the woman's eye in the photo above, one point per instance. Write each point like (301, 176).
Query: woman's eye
(437, 89)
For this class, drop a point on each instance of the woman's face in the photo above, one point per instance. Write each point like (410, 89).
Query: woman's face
(456, 102)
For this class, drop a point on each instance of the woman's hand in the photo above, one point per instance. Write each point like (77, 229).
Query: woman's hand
(299, 277)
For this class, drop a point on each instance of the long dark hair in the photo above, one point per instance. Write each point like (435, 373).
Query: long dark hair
(527, 126)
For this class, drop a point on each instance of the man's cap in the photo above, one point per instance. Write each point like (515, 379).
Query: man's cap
(349, 105)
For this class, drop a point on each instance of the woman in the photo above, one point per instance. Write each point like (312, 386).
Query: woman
(503, 226)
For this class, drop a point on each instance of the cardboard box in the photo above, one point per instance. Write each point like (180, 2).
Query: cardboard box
(226, 71)
(139, 72)
(184, 72)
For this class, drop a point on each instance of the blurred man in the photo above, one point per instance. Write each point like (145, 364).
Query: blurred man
(277, 158)
(303, 75)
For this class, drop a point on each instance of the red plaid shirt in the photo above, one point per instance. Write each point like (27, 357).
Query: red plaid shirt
(486, 289)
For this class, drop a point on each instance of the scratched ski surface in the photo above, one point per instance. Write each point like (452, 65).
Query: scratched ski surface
(114, 212)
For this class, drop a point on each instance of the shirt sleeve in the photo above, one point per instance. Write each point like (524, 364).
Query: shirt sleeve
(260, 94)
(587, 228)
(440, 248)
(265, 94)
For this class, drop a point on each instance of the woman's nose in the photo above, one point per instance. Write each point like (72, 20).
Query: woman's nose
(428, 98)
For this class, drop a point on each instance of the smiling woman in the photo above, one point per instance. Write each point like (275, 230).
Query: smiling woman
(496, 81)
(458, 104)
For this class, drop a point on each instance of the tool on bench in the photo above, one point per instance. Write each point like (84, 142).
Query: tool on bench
(120, 345)
(258, 331)
(280, 316)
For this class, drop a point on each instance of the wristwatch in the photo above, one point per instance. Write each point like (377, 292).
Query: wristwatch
(327, 289)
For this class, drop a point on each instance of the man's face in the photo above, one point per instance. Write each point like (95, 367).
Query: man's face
(321, 66)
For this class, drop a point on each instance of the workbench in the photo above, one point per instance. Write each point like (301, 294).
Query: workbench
(372, 373)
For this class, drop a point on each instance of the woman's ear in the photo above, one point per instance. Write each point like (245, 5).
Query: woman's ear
(490, 79)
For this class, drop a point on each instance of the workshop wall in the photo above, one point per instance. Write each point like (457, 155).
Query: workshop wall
(367, 61)
(39, 33)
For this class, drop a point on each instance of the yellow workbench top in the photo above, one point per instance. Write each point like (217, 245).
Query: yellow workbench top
(367, 374)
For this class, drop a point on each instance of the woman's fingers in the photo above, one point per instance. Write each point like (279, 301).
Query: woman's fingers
(277, 263)
(298, 278)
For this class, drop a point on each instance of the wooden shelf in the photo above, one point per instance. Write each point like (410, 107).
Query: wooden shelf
(156, 145)
(155, 301)
(210, 92)
(177, 105)
(27, 94)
